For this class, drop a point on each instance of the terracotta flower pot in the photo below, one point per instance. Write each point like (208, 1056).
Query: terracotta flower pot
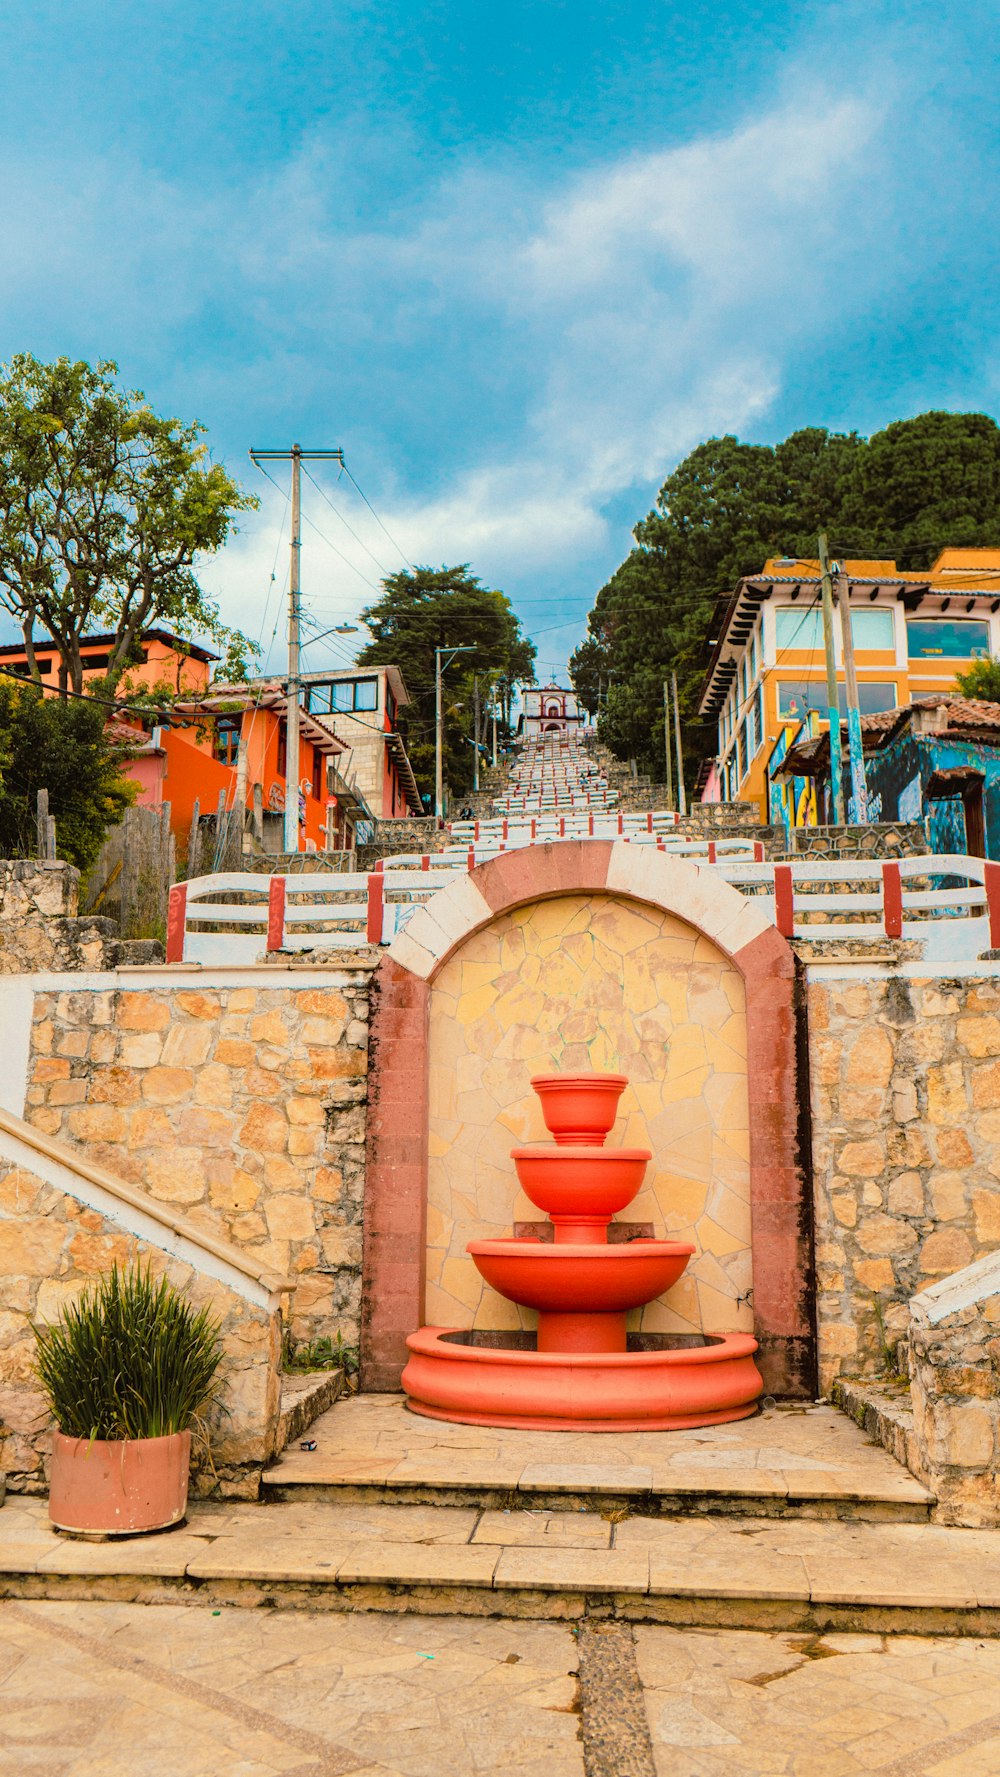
(117, 1489)
(579, 1108)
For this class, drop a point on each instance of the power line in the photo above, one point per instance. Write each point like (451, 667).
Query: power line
(338, 514)
(378, 521)
(330, 545)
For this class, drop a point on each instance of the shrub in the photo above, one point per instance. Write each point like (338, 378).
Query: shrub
(131, 1359)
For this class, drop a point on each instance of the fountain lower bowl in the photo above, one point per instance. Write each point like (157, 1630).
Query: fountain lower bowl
(663, 1382)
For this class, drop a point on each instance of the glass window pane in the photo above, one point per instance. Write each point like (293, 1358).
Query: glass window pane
(366, 694)
(318, 699)
(799, 628)
(343, 695)
(871, 699)
(741, 753)
(796, 697)
(873, 629)
(940, 638)
(758, 716)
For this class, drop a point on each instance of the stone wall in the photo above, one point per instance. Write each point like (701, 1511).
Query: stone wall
(391, 837)
(51, 1248)
(879, 839)
(39, 927)
(906, 1150)
(954, 1363)
(243, 1106)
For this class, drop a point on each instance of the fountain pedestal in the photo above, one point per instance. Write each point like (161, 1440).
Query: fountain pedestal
(581, 1370)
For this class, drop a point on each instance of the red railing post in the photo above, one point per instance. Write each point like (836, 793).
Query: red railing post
(475, 831)
(176, 917)
(376, 906)
(784, 901)
(471, 858)
(504, 828)
(562, 826)
(892, 901)
(425, 861)
(590, 826)
(711, 851)
(758, 851)
(649, 822)
(621, 822)
(276, 913)
(991, 882)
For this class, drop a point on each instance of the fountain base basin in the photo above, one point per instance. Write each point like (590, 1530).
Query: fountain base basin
(662, 1382)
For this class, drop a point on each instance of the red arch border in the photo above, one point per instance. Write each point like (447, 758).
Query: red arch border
(395, 1222)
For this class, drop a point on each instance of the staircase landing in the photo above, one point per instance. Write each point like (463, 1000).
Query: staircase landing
(788, 1461)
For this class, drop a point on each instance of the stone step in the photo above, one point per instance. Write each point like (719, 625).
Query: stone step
(806, 1462)
(688, 1571)
(304, 1396)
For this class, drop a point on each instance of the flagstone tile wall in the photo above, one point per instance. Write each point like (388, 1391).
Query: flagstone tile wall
(591, 982)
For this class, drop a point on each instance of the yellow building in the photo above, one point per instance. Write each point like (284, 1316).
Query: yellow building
(912, 632)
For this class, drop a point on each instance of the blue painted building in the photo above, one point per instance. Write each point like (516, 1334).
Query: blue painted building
(936, 760)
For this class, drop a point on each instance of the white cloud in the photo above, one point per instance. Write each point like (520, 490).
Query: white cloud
(600, 324)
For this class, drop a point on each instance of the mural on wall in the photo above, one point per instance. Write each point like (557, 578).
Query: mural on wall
(792, 802)
(591, 982)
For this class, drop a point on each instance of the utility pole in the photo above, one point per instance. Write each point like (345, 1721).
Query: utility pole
(681, 796)
(855, 747)
(666, 744)
(832, 695)
(475, 732)
(297, 456)
(439, 669)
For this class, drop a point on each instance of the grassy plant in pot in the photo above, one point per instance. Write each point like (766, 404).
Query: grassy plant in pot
(127, 1370)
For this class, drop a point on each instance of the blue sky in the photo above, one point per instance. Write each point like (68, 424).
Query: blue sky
(516, 259)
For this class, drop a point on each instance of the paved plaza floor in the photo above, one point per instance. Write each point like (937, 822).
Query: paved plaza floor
(98, 1690)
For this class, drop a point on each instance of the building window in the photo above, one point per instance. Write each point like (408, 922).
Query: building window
(343, 695)
(796, 697)
(741, 753)
(226, 740)
(873, 629)
(939, 638)
(795, 628)
(758, 716)
(282, 764)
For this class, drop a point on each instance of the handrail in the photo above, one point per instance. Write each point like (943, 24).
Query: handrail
(897, 897)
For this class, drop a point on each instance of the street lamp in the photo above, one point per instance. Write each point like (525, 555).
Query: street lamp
(439, 668)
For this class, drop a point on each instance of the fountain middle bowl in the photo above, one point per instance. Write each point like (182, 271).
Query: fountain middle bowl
(577, 1276)
(581, 1181)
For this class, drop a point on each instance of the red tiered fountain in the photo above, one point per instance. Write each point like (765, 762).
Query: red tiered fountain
(582, 1371)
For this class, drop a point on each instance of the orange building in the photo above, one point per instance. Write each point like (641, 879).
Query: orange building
(192, 754)
(912, 633)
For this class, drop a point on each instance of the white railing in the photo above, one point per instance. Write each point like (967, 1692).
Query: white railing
(950, 903)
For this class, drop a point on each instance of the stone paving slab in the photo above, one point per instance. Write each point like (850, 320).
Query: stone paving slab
(692, 1566)
(800, 1458)
(92, 1690)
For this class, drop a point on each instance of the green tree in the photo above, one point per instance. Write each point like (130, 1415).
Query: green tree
(104, 510)
(437, 608)
(981, 680)
(905, 493)
(61, 747)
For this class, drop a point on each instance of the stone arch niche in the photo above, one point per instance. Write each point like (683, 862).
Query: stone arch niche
(494, 979)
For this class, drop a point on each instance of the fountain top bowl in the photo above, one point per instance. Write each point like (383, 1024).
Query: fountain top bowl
(579, 1108)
